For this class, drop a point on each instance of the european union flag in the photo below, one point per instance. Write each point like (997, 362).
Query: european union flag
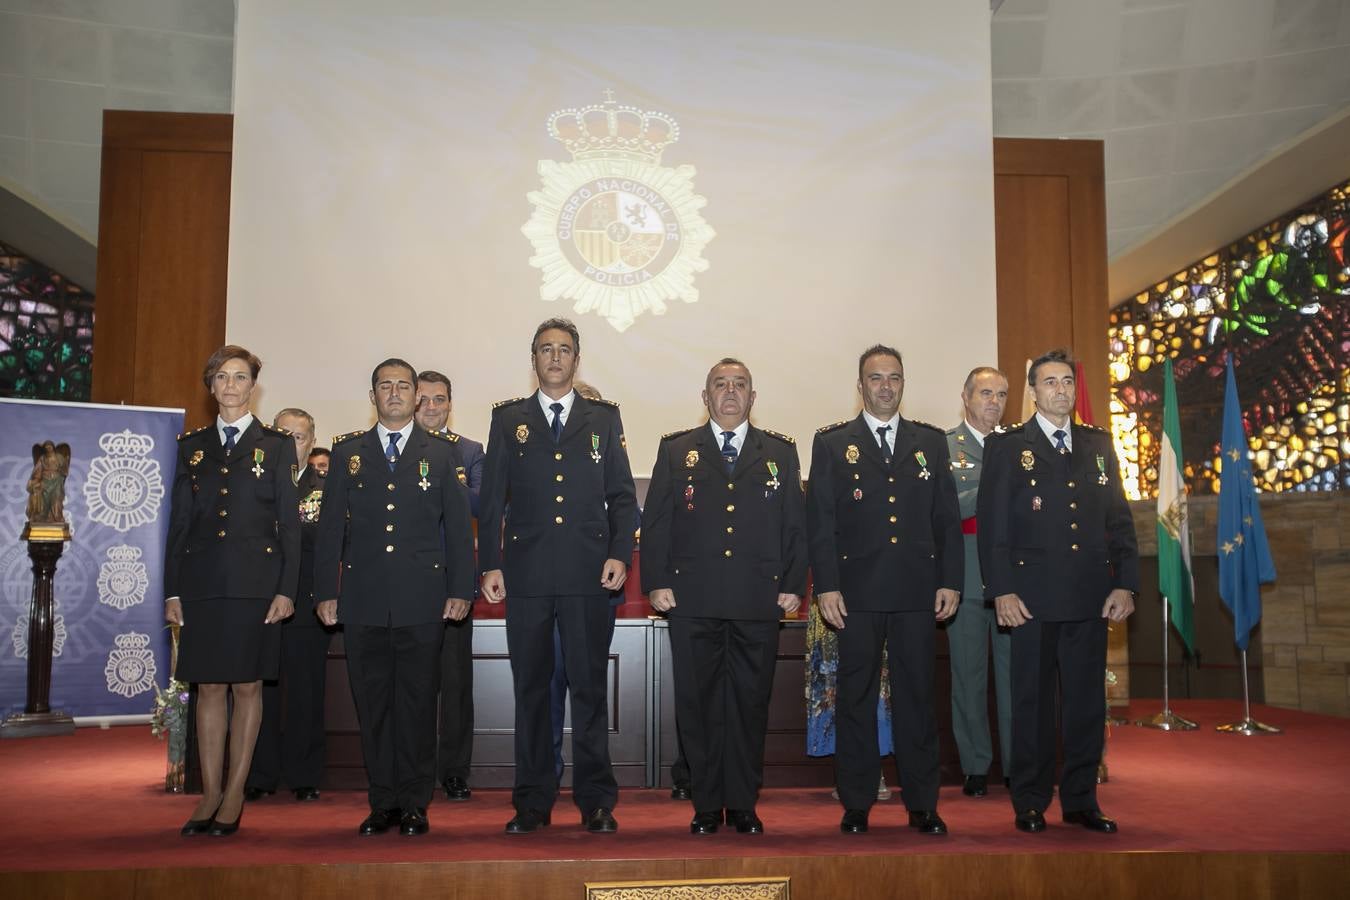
(1244, 554)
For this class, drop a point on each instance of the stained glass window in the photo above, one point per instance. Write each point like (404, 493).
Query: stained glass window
(46, 331)
(1278, 300)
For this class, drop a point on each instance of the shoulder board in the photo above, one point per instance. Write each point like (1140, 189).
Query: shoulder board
(1097, 429)
(778, 434)
(927, 425)
(450, 438)
(341, 438)
(274, 429)
(1015, 428)
(195, 431)
(613, 403)
(674, 434)
(953, 430)
(505, 402)
(826, 429)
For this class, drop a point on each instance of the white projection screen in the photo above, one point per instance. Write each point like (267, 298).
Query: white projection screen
(787, 183)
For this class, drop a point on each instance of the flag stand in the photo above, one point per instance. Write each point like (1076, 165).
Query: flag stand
(1248, 726)
(1168, 720)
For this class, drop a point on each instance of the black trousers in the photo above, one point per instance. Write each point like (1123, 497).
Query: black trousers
(394, 673)
(723, 678)
(584, 625)
(1065, 661)
(290, 746)
(455, 746)
(911, 638)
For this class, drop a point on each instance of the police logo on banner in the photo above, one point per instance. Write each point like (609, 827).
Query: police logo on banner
(131, 665)
(614, 230)
(122, 580)
(124, 488)
(19, 635)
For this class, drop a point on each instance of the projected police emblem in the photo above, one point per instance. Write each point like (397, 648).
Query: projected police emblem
(130, 669)
(122, 580)
(614, 231)
(124, 488)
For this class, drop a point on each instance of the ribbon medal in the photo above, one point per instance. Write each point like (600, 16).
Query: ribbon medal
(423, 468)
(691, 459)
(1035, 504)
(857, 493)
(689, 496)
(772, 484)
(1101, 468)
(353, 465)
(851, 455)
(595, 448)
(295, 474)
(257, 463)
(522, 433)
(195, 458)
(923, 465)
(463, 478)
(1028, 461)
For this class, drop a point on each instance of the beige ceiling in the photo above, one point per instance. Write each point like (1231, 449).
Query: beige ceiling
(1187, 94)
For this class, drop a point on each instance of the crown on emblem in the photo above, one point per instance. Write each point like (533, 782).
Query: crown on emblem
(610, 130)
(124, 554)
(132, 641)
(126, 444)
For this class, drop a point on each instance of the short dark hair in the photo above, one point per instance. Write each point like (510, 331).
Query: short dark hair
(294, 412)
(393, 361)
(224, 355)
(727, 361)
(879, 350)
(976, 373)
(431, 376)
(1050, 356)
(560, 325)
(319, 451)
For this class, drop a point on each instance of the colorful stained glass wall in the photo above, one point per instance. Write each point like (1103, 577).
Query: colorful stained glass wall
(46, 331)
(1278, 300)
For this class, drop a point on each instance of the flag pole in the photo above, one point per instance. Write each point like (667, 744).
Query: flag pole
(1248, 726)
(1166, 720)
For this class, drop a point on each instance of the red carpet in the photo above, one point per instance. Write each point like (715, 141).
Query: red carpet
(95, 801)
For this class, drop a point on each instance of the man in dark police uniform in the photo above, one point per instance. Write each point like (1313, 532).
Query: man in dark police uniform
(555, 539)
(886, 558)
(1058, 555)
(394, 560)
(724, 555)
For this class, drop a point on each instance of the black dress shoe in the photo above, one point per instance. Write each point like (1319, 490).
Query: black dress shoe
(745, 820)
(1091, 819)
(600, 821)
(379, 821)
(527, 821)
(975, 786)
(854, 821)
(1031, 821)
(705, 822)
(305, 794)
(254, 793)
(413, 822)
(225, 829)
(197, 826)
(681, 791)
(927, 821)
(456, 789)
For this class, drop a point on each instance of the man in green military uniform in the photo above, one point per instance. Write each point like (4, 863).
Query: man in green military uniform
(973, 628)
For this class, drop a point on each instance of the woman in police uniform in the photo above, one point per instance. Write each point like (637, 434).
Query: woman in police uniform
(230, 575)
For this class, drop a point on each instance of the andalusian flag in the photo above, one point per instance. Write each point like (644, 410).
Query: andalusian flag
(1174, 531)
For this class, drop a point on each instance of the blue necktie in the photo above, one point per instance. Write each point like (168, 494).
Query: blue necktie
(1059, 441)
(230, 432)
(728, 450)
(885, 447)
(557, 421)
(391, 453)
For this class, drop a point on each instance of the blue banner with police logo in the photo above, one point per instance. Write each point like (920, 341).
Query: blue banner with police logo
(110, 646)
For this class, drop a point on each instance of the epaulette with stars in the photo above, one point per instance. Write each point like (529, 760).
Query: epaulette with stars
(674, 434)
(927, 425)
(1094, 428)
(187, 434)
(275, 430)
(613, 403)
(826, 429)
(343, 438)
(778, 434)
(1014, 428)
(451, 438)
(506, 402)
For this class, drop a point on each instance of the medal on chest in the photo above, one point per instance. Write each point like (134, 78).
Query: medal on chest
(257, 463)
(689, 497)
(923, 465)
(423, 469)
(772, 484)
(1101, 469)
(595, 448)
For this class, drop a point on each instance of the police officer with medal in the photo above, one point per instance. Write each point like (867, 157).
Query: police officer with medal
(394, 561)
(724, 555)
(886, 559)
(1060, 560)
(555, 537)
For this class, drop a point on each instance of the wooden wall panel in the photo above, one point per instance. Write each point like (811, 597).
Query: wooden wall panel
(162, 255)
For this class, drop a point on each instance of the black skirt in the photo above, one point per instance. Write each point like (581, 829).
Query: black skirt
(224, 640)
